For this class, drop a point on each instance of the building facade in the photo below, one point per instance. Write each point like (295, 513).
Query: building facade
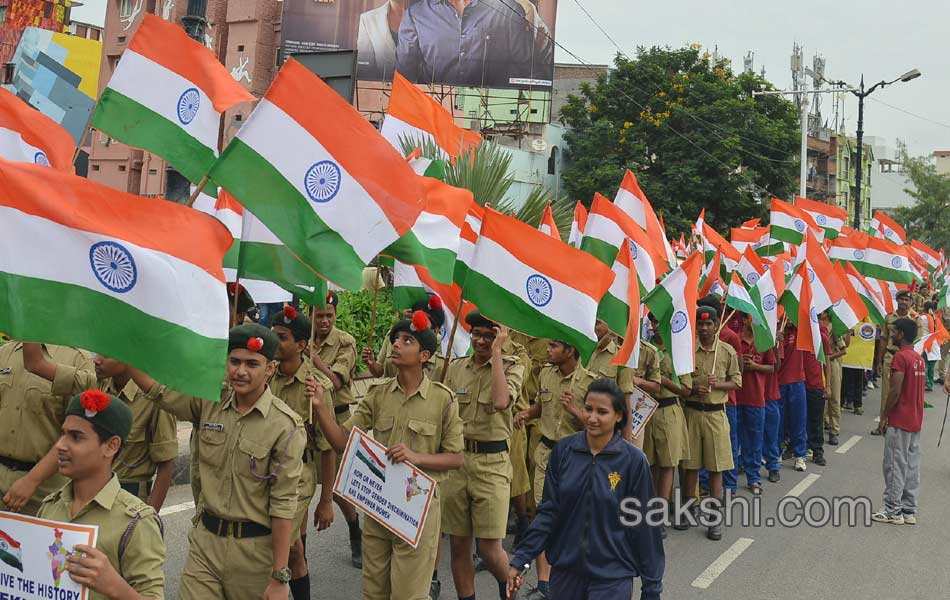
(832, 169)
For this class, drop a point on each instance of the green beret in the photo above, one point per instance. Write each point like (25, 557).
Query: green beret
(475, 319)
(106, 412)
(298, 324)
(255, 338)
(418, 327)
(706, 312)
(432, 307)
(244, 300)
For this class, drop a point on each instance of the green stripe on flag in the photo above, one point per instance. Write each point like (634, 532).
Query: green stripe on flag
(273, 262)
(792, 236)
(599, 249)
(761, 332)
(404, 296)
(265, 192)
(131, 123)
(60, 313)
(615, 312)
(440, 262)
(878, 272)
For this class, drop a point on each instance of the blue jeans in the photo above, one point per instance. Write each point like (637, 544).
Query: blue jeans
(569, 585)
(751, 425)
(730, 479)
(772, 436)
(795, 417)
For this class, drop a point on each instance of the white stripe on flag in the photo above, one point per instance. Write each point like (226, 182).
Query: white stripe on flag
(14, 147)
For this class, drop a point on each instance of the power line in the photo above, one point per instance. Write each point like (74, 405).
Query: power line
(907, 112)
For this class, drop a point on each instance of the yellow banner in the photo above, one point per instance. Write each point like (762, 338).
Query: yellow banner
(860, 354)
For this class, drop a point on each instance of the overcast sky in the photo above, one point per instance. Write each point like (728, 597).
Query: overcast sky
(880, 39)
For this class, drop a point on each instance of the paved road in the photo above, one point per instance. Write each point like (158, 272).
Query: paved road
(879, 561)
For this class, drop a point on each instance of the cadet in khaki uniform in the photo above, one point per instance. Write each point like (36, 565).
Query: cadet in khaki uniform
(334, 355)
(250, 446)
(30, 420)
(152, 444)
(518, 452)
(130, 552)
(887, 349)
(537, 349)
(559, 409)
(475, 497)
(417, 419)
(839, 347)
(717, 373)
(289, 383)
(382, 365)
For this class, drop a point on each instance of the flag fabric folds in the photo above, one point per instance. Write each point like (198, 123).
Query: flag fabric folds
(27, 135)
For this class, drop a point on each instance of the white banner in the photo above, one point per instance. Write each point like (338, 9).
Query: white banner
(642, 407)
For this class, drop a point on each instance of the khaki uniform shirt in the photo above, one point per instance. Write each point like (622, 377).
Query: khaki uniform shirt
(889, 321)
(648, 368)
(249, 464)
(537, 349)
(837, 344)
(521, 353)
(556, 423)
(113, 509)
(599, 364)
(427, 420)
(666, 370)
(153, 438)
(31, 416)
(292, 389)
(338, 352)
(471, 385)
(726, 369)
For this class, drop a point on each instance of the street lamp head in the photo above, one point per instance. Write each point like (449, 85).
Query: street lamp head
(912, 74)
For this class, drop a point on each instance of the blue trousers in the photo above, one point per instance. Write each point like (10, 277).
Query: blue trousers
(568, 585)
(730, 479)
(772, 436)
(795, 417)
(751, 428)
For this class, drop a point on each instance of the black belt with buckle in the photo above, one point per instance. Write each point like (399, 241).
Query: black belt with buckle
(486, 447)
(135, 487)
(548, 442)
(664, 402)
(16, 465)
(235, 529)
(341, 409)
(705, 407)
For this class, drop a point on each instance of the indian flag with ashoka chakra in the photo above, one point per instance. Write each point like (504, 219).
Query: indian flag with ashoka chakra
(673, 303)
(320, 177)
(151, 268)
(535, 284)
(167, 95)
(27, 135)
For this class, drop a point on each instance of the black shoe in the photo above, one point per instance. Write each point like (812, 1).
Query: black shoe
(356, 552)
(819, 459)
(714, 532)
(832, 439)
(775, 476)
(435, 589)
(683, 523)
(787, 453)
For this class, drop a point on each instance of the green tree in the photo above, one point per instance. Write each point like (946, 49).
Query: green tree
(928, 219)
(691, 131)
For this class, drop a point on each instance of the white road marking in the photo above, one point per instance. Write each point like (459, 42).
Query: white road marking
(803, 485)
(848, 445)
(177, 508)
(707, 577)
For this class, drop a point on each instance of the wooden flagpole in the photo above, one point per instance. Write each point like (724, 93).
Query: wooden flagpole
(455, 326)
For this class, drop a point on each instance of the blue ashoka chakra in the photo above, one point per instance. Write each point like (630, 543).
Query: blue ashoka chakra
(799, 225)
(859, 254)
(678, 322)
(634, 251)
(889, 233)
(113, 266)
(813, 315)
(188, 104)
(768, 303)
(811, 275)
(821, 220)
(787, 267)
(837, 304)
(539, 290)
(752, 278)
(322, 181)
(40, 158)
(757, 245)
(896, 262)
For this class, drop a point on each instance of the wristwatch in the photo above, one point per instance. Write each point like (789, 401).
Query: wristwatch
(281, 575)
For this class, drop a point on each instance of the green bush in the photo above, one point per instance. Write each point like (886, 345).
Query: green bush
(354, 315)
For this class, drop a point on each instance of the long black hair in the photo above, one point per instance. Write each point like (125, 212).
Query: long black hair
(617, 398)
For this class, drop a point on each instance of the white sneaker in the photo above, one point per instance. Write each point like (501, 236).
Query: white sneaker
(883, 517)
(800, 464)
(910, 519)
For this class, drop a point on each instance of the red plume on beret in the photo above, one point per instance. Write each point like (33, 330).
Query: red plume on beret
(235, 288)
(255, 344)
(329, 297)
(94, 401)
(420, 321)
(703, 316)
(290, 313)
(435, 302)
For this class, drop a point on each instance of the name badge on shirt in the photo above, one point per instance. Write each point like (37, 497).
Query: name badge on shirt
(461, 391)
(6, 371)
(213, 426)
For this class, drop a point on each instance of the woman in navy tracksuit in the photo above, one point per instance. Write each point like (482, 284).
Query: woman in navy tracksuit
(593, 555)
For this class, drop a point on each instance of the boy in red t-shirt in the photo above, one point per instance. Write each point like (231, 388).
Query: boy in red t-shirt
(901, 419)
(750, 405)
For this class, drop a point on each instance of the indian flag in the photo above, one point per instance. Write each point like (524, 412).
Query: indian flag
(413, 283)
(713, 243)
(788, 223)
(738, 298)
(750, 268)
(766, 292)
(467, 239)
(872, 299)
(806, 317)
(167, 96)
(850, 247)
(27, 135)
(827, 216)
(313, 170)
(631, 200)
(825, 285)
(577, 225)
(850, 310)
(614, 309)
(415, 116)
(759, 238)
(887, 228)
(153, 267)
(930, 256)
(607, 229)
(884, 260)
(535, 284)
(548, 225)
(433, 241)
(10, 551)
(673, 303)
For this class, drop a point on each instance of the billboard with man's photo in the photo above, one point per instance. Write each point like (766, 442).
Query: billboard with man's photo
(492, 43)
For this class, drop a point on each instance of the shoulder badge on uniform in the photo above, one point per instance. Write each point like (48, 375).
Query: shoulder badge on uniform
(282, 407)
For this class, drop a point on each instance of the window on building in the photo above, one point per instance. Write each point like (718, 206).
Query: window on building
(552, 161)
(125, 8)
(153, 171)
(121, 168)
(95, 168)
(3, 14)
(93, 34)
(240, 47)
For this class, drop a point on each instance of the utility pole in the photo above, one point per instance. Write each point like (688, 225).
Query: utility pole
(801, 89)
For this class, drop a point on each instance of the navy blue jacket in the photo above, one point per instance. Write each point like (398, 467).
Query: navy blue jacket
(578, 522)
